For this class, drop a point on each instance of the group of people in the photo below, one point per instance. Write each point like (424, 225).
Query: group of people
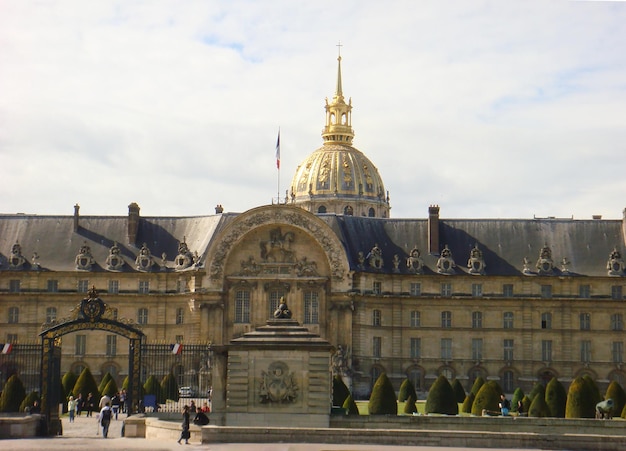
(201, 419)
(108, 408)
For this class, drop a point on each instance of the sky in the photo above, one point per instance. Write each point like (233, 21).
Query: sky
(489, 109)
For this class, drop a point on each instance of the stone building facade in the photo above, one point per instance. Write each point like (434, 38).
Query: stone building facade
(513, 300)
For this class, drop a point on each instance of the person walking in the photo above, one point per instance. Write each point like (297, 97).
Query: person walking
(89, 404)
(105, 419)
(185, 434)
(115, 404)
(71, 408)
(80, 404)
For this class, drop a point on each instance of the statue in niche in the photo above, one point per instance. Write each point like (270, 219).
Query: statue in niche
(114, 261)
(445, 263)
(545, 265)
(84, 261)
(375, 257)
(615, 264)
(282, 312)
(278, 248)
(476, 263)
(144, 261)
(277, 384)
(414, 262)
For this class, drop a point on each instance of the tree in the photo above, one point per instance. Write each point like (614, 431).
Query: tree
(526, 403)
(383, 398)
(518, 395)
(103, 383)
(478, 383)
(538, 407)
(152, 387)
(487, 399)
(86, 384)
(468, 402)
(68, 381)
(538, 389)
(350, 406)
(580, 400)
(556, 398)
(406, 389)
(170, 387)
(110, 389)
(441, 398)
(12, 395)
(409, 406)
(459, 391)
(617, 394)
(340, 391)
(594, 390)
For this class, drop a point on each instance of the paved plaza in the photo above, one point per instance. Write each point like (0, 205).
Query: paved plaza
(84, 434)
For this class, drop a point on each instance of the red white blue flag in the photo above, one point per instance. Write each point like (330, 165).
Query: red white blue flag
(278, 151)
(6, 348)
(176, 348)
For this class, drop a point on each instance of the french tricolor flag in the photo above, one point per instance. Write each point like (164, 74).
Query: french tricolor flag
(176, 348)
(6, 348)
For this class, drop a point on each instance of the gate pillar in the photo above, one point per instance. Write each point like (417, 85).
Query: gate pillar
(50, 382)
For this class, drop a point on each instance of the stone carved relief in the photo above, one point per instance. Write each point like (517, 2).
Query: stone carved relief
(545, 265)
(340, 361)
(114, 261)
(84, 260)
(330, 245)
(249, 267)
(414, 262)
(306, 268)
(615, 264)
(16, 260)
(278, 248)
(375, 257)
(476, 262)
(185, 258)
(445, 263)
(144, 260)
(277, 384)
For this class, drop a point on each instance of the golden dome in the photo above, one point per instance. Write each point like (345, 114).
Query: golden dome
(337, 178)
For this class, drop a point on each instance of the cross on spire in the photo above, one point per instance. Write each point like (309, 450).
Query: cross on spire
(339, 45)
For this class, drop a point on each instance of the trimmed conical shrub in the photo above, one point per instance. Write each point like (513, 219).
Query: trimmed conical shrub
(617, 394)
(580, 400)
(478, 383)
(110, 389)
(487, 399)
(170, 387)
(538, 407)
(153, 387)
(350, 406)
(538, 389)
(406, 389)
(594, 390)
(68, 381)
(518, 395)
(556, 398)
(441, 398)
(409, 406)
(12, 395)
(86, 384)
(468, 402)
(459, 391)
(383, 398)
(340, 391)
(103, 383)
(526, 403)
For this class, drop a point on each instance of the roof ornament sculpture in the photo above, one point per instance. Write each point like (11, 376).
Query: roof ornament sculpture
(144, 260)
(476, 262)
(16, 260)
(414, 262)
(84, 260)
(114, 261)
(615, 265)
(282, 312)
(185, 258)
(545, 264)
(445, 263)
(375, 257)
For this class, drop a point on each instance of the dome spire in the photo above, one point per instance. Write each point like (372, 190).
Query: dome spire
(338, 128)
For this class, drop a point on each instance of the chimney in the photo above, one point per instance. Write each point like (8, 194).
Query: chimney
(433, 229)
(76, 209)
(133, 222)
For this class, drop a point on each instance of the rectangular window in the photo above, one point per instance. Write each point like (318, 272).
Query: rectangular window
(585, 351)
(415, 318)
(508, 350)
(507, 290)
(11, 338)
(242, 306)
(585, 321)
(477, 320)
(14, 315)
(584, 291)
(144, 286)
(617, 322)
(446, 349)
(546, 320)
(477, 349)
(180, 315)
(416, 348)
(51, 314)
(546, 350)
(275, 296)
(376, 318)
(111, 345)
(446, 319)
(53, 286)
(446, 289)
(507, 320)
(14, 285)
(616, 292)
(416, 289)
(617, 349)
(477, 289)
(377, 346)
(142, 316)
(181, 285)
(83, 286)
(546, 291)
(81, 344)
(377, 288)
(311, 307)
(114, 286)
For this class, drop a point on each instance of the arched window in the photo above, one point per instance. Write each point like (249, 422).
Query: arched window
(371, 212)
(348, 210)
(415, 375)
(321, 209)
(508, 381)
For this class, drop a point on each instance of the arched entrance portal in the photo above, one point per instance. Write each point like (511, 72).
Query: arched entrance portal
(91, 314)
